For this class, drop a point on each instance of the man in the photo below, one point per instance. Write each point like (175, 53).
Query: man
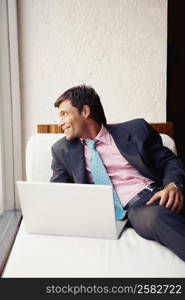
(147, 178)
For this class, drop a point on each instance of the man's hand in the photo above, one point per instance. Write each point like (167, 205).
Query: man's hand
(170, 196)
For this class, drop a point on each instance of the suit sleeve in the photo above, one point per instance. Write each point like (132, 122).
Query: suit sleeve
(163, 158)
(60, 173)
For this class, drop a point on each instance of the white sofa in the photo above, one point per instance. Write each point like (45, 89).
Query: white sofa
(59, 256)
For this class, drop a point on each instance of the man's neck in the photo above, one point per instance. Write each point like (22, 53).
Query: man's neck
(93, 130)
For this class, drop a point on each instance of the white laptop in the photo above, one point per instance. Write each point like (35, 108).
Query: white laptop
(68, 209)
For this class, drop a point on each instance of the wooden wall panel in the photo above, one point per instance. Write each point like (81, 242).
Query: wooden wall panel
(166, 128)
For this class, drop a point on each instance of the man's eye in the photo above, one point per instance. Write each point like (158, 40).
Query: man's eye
(64, 114)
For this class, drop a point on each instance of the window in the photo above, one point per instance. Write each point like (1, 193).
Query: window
(1, 177)
(10, 127)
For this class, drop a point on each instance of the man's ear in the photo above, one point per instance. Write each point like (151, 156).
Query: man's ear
(86, 111)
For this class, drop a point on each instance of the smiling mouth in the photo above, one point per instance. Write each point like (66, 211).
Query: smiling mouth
(66, 129)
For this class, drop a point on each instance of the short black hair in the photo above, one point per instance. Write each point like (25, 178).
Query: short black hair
(84, 95)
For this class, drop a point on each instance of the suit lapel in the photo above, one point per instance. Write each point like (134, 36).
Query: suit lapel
(76, 160)
(128, 149)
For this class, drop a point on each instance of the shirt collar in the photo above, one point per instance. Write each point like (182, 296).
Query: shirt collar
(103, 136)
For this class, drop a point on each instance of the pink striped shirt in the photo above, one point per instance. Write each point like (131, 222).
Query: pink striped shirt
(126, 179)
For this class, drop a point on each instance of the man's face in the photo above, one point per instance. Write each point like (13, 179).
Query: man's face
(71, 120)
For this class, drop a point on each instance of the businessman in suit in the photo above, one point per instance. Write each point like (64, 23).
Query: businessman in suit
(148, 179)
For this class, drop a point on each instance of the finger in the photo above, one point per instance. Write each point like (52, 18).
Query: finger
(176, 203)
(170, 199)
(181, 203)
(153, 199)
(164, 198)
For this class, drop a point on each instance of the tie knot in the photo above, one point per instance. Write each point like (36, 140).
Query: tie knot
(91, 143)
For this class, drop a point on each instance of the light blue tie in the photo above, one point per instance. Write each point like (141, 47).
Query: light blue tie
(100, 176)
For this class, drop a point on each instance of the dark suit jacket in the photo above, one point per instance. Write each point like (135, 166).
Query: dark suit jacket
(136, 140)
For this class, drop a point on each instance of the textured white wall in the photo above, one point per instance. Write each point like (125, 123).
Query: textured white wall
(117, 46)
